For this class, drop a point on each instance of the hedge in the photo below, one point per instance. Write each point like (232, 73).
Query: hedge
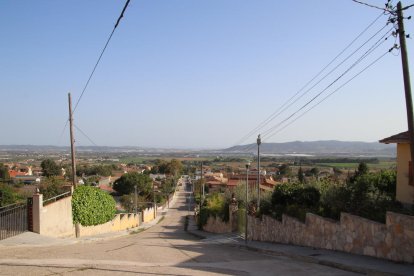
(92, 206)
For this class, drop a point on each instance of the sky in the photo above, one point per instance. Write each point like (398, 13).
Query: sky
(195, 74)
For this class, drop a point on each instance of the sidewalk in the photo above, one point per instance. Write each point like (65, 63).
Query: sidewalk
(34, 239)
(340, 260)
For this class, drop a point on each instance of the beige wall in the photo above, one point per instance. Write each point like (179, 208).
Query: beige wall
(55, 219)
(118, 223)
(405, 192)
(149, 214)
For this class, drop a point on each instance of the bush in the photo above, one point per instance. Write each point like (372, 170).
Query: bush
(215, 206)
(92, 206)
(51, 187)
(8, 195)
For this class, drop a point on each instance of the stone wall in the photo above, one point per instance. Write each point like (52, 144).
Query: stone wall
(393, 240)
(216, 225)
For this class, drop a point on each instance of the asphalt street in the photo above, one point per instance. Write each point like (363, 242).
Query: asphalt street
(163, 249)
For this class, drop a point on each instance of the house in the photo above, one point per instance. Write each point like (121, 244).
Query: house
(405, 181)
(27, 179)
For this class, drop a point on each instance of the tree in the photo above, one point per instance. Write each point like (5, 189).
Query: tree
(314, 172)
(128, 203)
(50, 168)
(175, 167)
(8, 195)
(4, 172)
(51, 187)
(284, 169)
(362, 169)
(301, 176)
(126, 184)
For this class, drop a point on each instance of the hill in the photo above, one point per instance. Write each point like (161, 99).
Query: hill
(319, 148)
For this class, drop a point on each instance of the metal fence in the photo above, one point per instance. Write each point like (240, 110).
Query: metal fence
(56, 198)
(13, 220)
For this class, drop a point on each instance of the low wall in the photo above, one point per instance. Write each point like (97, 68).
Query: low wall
(170, 202)
(54, 219)
(393, 240)
(216, 225)
(149, 214)
(118, 223)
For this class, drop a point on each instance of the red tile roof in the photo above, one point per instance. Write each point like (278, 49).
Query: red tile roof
(106, 188)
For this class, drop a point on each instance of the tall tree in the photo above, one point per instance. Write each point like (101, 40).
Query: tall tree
(50, 168)
(301, 176)
(4, 172)
(284, 169)
(126, 184)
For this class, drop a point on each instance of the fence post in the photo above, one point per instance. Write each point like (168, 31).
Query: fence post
(37, 210)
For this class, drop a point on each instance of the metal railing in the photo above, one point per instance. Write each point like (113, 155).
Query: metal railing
(13, 220)
(55, 198)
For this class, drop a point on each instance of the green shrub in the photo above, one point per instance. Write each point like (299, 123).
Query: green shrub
(92, 206)
(51, 187)
(9, 195)
(215, 206)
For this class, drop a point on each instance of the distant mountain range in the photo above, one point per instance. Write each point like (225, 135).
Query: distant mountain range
(319, 148)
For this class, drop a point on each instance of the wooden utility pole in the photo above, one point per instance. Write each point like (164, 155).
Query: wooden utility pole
(259, 142)
(72, 143)
(407, 83)
(72, 150)
(247, 202)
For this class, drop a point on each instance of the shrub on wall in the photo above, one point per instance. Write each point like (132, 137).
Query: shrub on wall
(92, 206)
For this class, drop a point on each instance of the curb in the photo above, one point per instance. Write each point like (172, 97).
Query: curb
(307, 259)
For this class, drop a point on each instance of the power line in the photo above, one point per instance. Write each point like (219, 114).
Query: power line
(100, 56)
(337, 66)
(322, 100)
(96, 65)
(276, 113)
(333, 92)
(368, 52)
(386, 9)
(84, 134)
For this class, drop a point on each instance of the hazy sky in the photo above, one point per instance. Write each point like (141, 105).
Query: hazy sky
(193, 74)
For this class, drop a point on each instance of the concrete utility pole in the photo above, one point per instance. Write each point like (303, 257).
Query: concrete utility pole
(259, 141)
(407, 83)
(247, 201)
(72, 143)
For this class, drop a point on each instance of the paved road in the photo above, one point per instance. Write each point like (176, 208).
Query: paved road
(164, 249)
